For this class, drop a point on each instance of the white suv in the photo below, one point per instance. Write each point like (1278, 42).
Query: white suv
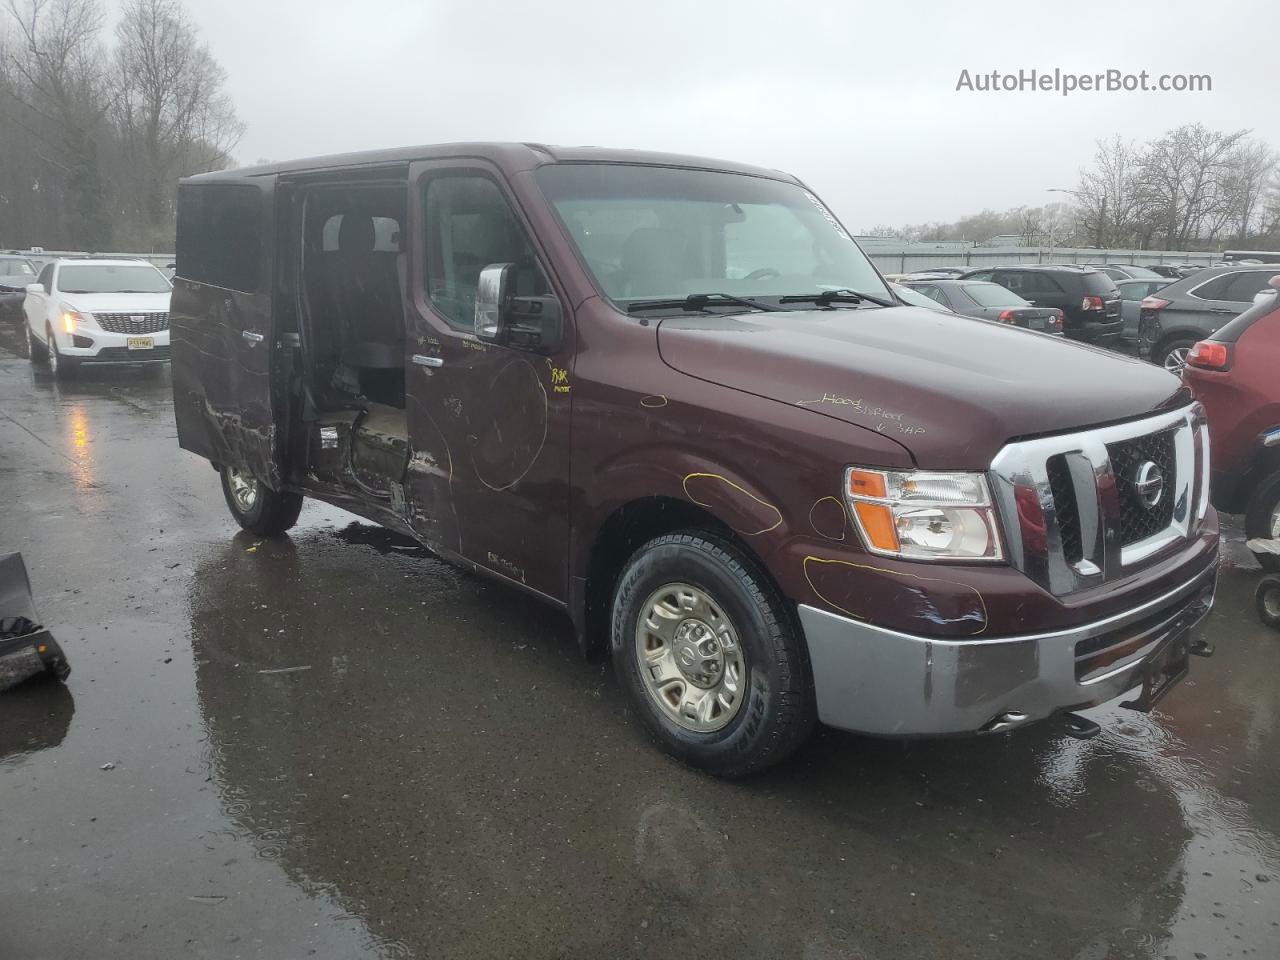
(97, 311)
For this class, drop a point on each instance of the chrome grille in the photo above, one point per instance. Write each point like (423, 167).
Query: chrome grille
(133, 323)
(1073, 515)
(1138, 521)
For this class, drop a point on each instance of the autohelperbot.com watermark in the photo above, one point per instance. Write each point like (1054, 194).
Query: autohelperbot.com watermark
(1066, 83)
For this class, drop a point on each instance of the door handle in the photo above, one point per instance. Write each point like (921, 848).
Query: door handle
(253, 338)
(422, 360)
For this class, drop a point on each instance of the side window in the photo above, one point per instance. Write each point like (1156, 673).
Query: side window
(1011, 280)
(1042, 285)
(933, 293)
(220, 235)
(1215, 288)
(470, 226)
(1244, 286)
(46, 277)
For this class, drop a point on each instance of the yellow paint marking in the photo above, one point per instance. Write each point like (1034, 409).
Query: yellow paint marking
(653, 402)
(844, 520)
(716, 476)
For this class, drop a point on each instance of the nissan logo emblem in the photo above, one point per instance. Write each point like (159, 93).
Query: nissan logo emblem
(1148, 484)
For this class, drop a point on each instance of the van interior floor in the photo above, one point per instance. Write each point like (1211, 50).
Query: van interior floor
(379, 445)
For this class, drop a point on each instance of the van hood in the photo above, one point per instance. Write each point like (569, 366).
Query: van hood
(952, 390)
(116, 302)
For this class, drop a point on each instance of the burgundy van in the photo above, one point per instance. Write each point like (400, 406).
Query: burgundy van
(672, 397)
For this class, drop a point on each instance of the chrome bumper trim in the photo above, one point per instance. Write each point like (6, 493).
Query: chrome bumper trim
(874, 680)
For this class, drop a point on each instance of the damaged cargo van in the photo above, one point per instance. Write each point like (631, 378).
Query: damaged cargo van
(673, 398)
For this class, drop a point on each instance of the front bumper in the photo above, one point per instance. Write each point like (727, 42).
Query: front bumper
(872, 680)
(105, 346)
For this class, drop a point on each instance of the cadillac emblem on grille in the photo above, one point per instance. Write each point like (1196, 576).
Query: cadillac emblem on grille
(1148, 483)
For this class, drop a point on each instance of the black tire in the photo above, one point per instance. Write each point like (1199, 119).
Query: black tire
(61, 367)
(777, 711)
(1160, 356)
(36, 351)
(1267, 598)
(1263, 503)
(271, 513)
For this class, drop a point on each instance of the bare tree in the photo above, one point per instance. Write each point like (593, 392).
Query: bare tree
(169, 103)
(1184, 179)
(53, 70)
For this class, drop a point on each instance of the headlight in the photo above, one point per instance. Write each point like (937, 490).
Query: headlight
(923, 515)
(69, 320)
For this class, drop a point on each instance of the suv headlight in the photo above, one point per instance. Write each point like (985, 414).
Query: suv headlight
(923, 514)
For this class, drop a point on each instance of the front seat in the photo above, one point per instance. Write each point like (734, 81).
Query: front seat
(368, 294)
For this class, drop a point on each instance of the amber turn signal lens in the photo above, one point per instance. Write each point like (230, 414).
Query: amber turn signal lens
(877, 524)
(866, 483)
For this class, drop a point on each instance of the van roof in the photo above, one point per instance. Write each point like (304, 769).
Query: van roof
(511, 158)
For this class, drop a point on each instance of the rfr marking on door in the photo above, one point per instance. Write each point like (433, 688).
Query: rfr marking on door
(559, 378)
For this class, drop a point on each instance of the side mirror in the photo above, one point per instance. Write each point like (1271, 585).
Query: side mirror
(527, 323)
(35, 288)
(493, 296)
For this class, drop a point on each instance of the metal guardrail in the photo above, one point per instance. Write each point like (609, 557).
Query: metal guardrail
(897, 257)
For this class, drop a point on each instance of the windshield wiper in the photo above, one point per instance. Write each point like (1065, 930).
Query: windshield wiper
(698, 301)
(828, 297)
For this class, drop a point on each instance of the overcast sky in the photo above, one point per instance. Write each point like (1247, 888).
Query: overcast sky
(858, 99)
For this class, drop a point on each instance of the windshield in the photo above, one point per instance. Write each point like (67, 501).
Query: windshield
(1141, 272)
(649, 233)
(102, 278)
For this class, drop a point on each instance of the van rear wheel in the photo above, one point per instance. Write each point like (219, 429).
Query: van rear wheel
(257, 507)
(710, 655)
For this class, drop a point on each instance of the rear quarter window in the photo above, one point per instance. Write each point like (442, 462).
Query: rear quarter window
(220, 235)
(1099, 285)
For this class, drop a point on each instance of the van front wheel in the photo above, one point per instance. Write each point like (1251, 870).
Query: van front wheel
(710, 655)
(257, 507)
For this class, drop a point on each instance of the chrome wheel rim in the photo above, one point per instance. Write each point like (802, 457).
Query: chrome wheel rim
(53, 354)
(1177, 359)
(1275, 522)
(31, 344)
(244, 489)
(689, 658)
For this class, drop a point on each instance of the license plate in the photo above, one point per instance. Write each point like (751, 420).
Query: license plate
(141, 343)
(1162, 671)
(1036, 323)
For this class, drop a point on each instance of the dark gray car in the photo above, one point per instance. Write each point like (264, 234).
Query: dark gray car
(989, 301)
(1174, 318)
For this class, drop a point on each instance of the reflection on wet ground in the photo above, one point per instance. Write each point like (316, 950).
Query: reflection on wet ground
(337, 745)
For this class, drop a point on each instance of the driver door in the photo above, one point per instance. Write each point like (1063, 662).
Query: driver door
(489, 423)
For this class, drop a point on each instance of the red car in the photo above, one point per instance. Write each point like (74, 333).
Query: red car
(1236, 376)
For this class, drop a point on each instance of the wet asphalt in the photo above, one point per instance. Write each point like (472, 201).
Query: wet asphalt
(335, 745)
